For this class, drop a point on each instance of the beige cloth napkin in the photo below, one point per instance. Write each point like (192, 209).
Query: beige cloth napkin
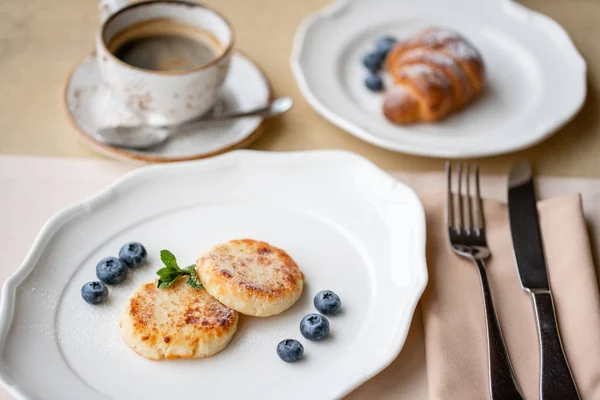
(452, 306)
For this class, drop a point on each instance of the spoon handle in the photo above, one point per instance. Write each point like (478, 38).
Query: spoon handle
(258, 112)
(145, 136)
(267, 110)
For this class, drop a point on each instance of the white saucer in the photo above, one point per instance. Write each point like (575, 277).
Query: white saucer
(536, 79)
(246, 87)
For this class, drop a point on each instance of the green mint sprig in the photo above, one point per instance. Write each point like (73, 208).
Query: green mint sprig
(171, 272)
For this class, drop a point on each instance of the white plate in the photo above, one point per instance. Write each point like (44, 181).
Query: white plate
(89, 108)
(351, 227)
(536, 78)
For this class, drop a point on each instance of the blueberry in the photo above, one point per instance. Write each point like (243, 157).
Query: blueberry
(373, 61)
(374, 83)
(327, 302)
(290, 350)
(111, 270)
(384, 45)
(132, 254)
(94, 292)
(314, 327)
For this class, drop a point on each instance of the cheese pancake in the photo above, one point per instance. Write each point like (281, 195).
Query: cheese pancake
(176, 322)
(251, 277)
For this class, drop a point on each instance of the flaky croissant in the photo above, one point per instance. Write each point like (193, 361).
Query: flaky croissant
(435, 73)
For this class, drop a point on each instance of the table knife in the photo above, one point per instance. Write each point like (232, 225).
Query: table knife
(556, 380)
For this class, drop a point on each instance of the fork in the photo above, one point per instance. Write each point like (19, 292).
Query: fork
(466, 234)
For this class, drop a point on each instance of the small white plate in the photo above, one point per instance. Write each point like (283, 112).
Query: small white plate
(350, 227)
(89, 108)
(536, 79)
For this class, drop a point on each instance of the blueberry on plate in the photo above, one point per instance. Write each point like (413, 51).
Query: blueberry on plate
(374, 83)
(290, 350)
(314, 327)
(94, 292)
(327, 302)
(111, 270)
(133, 254)
(373, 61)
(384, 45)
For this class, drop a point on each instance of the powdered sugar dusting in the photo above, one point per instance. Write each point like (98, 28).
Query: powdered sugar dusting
(462, 50)
(82, 326)
(435, 57)
(397, 96)
(48, 298)
(435, 37)
(425, 76)
(42, 328)
(438, 58)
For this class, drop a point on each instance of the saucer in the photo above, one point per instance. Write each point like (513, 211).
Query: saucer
(89, 108)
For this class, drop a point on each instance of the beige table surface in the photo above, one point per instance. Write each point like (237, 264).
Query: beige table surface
(41, 41)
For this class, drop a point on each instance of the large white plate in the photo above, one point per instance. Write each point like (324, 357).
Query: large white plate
(536, 78)
(351, 228)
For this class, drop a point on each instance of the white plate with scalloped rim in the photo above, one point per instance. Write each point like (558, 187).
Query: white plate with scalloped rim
(536, 79)
(351, 228)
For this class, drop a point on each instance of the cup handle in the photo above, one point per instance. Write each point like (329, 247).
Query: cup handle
(109, 7)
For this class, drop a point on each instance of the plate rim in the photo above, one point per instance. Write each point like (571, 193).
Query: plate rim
(124, 155)
(542, 131)
(54, 223)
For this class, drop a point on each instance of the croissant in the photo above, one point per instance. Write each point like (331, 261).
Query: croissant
(435, 73)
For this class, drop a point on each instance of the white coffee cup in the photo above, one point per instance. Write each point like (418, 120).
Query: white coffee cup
(160, 97)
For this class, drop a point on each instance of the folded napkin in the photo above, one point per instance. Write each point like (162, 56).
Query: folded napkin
(453, 313)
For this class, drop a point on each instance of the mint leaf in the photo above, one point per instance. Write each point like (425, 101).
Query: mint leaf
(168, 275)
(168, 258)
(193, 281)
(162, 284)
(169, 270)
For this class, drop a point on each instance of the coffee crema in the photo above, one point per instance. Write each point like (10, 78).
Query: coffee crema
(165, 44)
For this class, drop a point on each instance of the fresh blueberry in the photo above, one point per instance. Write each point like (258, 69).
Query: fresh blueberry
(374, 83)
(290, 350)
(94, 292)
(384, 45)
(111, 270)
(133, 254)
(327, 302)
(314, 327)
(373, 61)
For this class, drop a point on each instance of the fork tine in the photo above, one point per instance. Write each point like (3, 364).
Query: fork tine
(461, 224)
(480, 219)
(469, 217)
(449, 197)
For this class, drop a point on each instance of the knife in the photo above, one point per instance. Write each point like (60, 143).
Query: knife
(556, 380)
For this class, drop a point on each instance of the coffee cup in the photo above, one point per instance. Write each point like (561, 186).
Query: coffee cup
(163, 61)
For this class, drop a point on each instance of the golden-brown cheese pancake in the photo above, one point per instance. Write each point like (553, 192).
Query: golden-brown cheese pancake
(251, 277)
(176, 322)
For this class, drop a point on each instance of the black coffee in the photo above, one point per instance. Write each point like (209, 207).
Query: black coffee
(164, 45)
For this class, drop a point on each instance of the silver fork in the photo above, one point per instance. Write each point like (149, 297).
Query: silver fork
(467, 239)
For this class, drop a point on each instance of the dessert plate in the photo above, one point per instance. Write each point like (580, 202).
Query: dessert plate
(350, 227)
(89, 108)
(536, 79)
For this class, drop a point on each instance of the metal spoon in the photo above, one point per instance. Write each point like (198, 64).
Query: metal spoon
(146, 136)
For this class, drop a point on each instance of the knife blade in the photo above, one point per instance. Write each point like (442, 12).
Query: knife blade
(527, 239)
(556, 380)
